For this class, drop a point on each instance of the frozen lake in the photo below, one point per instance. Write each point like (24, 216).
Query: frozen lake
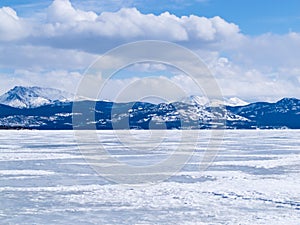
(254, 178)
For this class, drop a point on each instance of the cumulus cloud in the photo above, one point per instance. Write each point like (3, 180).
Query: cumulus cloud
(63, 12)
(67, 27)
(130, 23)
(11, 26)
(253, 84)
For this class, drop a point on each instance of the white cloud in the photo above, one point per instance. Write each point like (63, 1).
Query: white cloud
(135, 89)
(7, 82)
(148, 67)
(269, 50)
(60, 79)
(236, 82)
(253, 84)
(31, 57)
(11, 26)
(67, 27)
(61, 11)
(214, 29)
(121, 26)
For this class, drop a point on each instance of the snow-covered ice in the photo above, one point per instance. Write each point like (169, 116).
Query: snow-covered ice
(44, 179)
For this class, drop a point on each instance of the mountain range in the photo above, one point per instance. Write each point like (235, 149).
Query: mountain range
(52, 109)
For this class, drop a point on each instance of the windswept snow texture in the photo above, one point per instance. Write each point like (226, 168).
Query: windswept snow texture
(253, 180)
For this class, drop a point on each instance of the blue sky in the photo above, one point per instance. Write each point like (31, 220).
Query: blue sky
(250, 46)
(254, 17)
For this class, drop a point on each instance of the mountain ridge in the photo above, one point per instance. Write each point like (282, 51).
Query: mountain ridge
(31, 97)
(88, 114)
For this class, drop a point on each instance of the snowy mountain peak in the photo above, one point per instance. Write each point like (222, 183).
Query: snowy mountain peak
(198, 100)
(205, 101)
(234, 101)
(31, 97)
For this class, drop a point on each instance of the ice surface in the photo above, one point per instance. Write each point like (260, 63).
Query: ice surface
(253, 180)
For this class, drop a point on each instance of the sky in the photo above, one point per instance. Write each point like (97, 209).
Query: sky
(251, 47)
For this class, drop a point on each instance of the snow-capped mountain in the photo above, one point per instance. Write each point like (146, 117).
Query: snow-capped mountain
(31, 97)
(140, 115)
(205, 101)
(197, 100)
(234, 101)
(45, 108)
